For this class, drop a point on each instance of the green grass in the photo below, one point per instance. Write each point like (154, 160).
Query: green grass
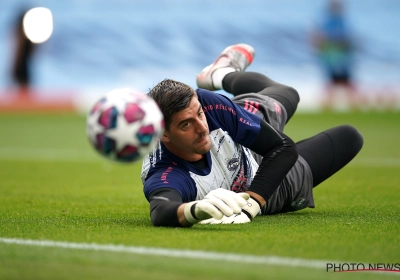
(53, 186)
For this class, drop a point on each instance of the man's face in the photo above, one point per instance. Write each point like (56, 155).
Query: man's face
(188, 135)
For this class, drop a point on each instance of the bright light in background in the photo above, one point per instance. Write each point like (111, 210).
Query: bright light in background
(38, 24)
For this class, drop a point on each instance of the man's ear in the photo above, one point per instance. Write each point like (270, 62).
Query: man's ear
(164, 138)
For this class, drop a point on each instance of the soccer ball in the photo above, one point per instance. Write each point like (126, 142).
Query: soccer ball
(124, 125)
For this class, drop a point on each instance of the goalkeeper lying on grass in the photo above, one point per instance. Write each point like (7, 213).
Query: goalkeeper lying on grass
(227, 161)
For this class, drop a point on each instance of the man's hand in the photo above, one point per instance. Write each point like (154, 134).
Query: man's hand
(216, 204)
(249, 211)
(240, 218)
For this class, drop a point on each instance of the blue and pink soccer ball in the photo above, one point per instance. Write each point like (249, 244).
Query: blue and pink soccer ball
(125, 125)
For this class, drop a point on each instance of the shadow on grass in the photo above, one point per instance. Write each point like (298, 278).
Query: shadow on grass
(289, 217)
(146, 223)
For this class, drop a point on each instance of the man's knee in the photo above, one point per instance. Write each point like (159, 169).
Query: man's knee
(350, 137)
(288, 97)
(294, 95)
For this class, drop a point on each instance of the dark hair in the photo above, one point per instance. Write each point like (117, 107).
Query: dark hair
(172, 97)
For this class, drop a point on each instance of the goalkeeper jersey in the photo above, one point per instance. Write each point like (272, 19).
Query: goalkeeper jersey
(229, 164)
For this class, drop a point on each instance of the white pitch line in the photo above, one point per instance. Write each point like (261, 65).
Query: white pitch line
(192, 254)
(175, 253)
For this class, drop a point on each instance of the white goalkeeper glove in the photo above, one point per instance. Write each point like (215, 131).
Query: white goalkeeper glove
(249, 211)
(216, 204)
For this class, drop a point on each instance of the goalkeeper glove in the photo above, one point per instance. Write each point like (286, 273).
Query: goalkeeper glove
(249, 211)
(216, 204)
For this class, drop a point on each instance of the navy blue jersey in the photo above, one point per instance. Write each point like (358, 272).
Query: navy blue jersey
(230, 165)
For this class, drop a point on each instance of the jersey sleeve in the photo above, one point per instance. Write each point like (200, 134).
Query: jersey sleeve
(221, 112)
(171, 177)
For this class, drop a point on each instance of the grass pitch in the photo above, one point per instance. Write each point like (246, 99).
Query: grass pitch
(54, 187)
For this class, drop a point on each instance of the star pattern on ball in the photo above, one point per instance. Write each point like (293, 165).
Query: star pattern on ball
(124, 133)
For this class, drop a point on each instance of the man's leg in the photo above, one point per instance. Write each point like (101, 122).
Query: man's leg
(238, 83)
(329, 151)
(227, 72)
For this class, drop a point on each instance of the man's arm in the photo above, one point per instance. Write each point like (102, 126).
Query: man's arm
(278, 150)
(164, 204)
(279, 155)
(167, 209)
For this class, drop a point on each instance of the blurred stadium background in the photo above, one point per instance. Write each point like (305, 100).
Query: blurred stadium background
(98, 45)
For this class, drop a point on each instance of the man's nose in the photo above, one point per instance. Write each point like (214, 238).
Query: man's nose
(201, 127)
